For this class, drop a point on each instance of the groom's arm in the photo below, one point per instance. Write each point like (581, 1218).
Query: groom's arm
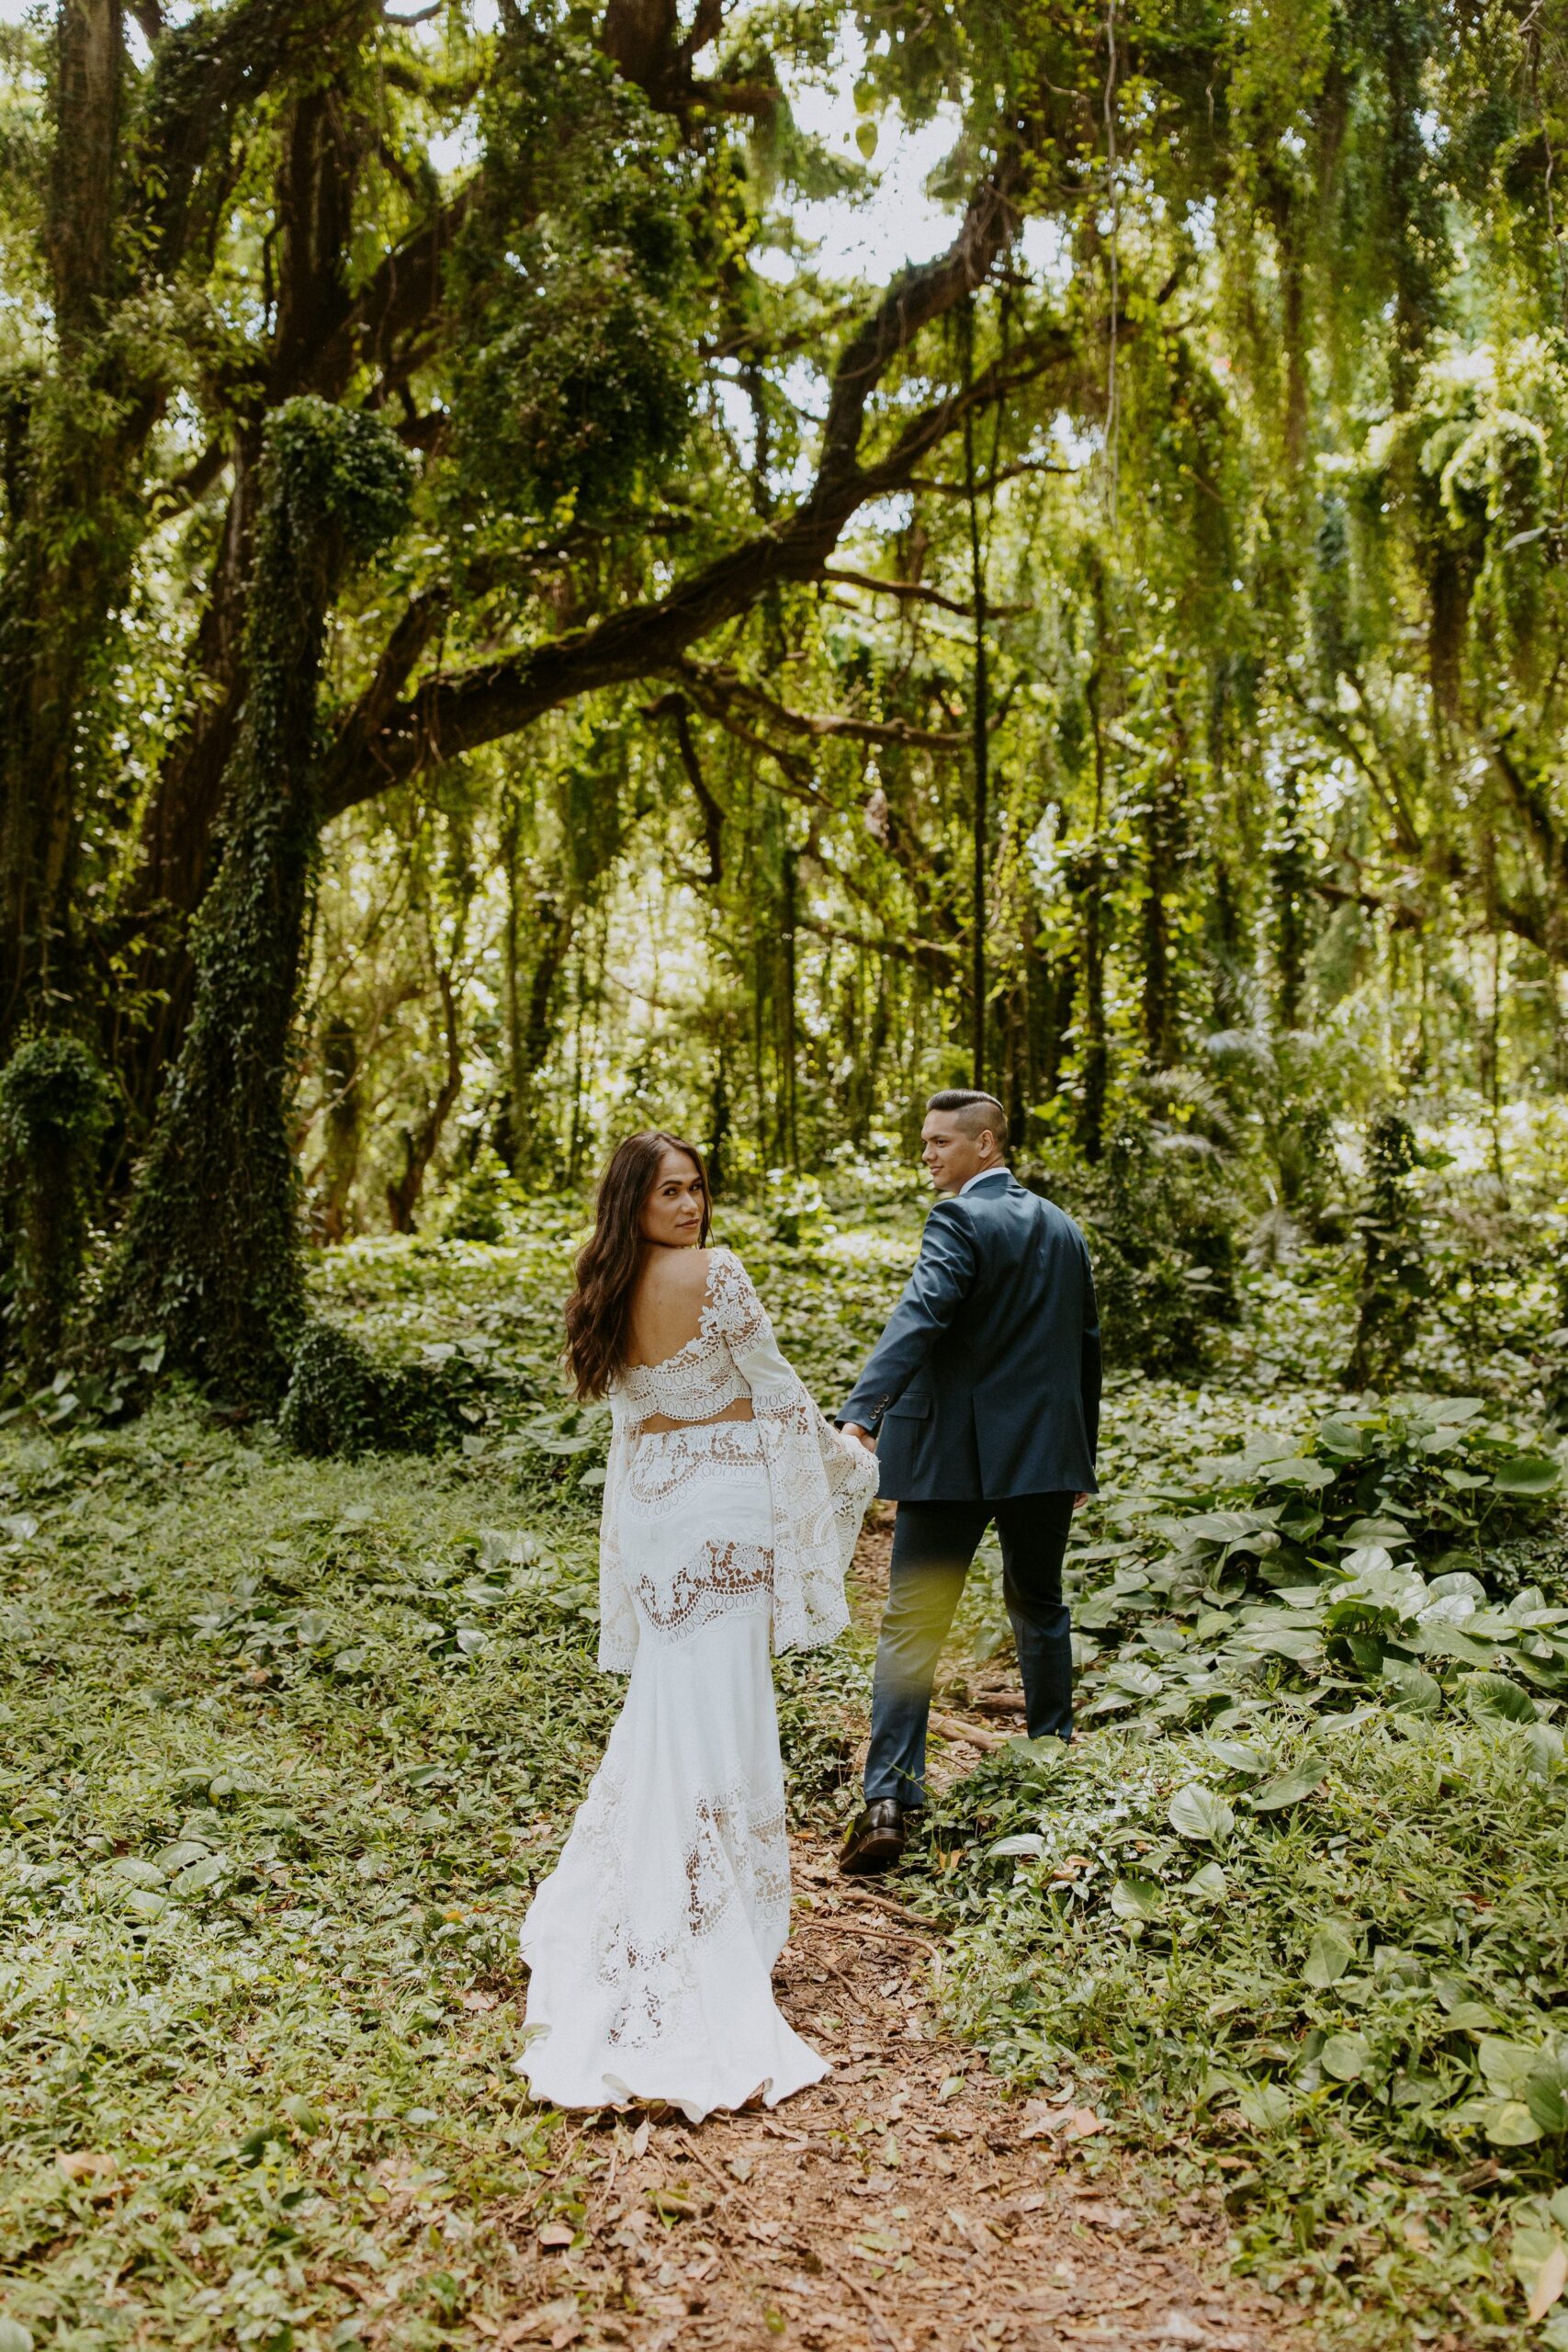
(942, 1279)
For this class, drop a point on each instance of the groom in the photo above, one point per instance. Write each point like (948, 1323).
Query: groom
(982, 1397)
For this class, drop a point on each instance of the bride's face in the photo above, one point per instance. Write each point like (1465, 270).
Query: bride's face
(673, 1212)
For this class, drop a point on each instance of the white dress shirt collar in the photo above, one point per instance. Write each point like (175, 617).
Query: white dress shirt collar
(981, 1179)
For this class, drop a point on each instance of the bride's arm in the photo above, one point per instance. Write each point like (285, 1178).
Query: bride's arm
(777, 1390)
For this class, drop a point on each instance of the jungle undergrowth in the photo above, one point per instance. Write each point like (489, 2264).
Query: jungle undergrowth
(289, 1742)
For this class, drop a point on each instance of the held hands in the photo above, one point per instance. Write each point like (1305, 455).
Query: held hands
(860, 1437)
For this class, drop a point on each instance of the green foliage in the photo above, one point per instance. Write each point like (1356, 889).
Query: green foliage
(1395, 1279)
(341, 1401)
(1276, 1914)
(210, 1252)
(1320, 1954)
(54, 1098)
(572, 378)
(278, 1825)
(55, 1105)
(1293, 1898)
(480, 1205)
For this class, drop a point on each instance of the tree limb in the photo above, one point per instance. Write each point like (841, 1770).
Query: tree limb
(675, 706)
(203, 73)
(447, 715)
(916, 592)
(711, 679)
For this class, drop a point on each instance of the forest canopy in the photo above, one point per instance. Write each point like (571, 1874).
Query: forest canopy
(503, 639)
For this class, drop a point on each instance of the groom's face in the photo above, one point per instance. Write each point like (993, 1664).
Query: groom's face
(952, 1157)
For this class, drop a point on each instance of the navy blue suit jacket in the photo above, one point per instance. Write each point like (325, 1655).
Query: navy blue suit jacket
(985, 1383)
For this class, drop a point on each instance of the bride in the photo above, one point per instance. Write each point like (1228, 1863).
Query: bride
(731, 1507)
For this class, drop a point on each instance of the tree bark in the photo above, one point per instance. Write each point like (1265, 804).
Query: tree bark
(209, 1254)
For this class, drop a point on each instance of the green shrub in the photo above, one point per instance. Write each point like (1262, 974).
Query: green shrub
(55, 1103)
(340, 1400)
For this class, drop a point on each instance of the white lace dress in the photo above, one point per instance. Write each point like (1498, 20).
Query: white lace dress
(651, 1946)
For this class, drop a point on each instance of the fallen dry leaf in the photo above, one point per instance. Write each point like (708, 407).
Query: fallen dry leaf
(1550, 2279)
(555, 2233)
(85, 2164)
(556, 2323)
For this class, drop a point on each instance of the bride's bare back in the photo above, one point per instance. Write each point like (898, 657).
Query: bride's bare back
(667, 1316)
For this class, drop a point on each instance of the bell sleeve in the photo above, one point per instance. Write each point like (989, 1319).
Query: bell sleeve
(617, 1618)
(820, 1481)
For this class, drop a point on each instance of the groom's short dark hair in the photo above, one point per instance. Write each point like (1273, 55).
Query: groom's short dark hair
(983, 1111)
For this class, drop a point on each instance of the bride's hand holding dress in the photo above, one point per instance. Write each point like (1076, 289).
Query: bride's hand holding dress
(652, 1944)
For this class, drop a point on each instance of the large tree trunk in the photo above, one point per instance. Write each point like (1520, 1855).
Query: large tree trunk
(210, 1251)
(68, 539)
(314, 195)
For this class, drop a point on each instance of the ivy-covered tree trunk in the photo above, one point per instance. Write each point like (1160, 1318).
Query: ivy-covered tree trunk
(54, 1105)
(210, 1252)
(1394, 1280)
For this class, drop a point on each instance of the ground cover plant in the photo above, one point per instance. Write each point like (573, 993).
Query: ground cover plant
(1295, 1907)
(289, 1739)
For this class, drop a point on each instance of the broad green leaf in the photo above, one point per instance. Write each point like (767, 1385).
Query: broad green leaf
(182, 1854)
(1266, 2106)
(1298, 1471)
(1236, 1756)
(1198, 1813)
(1027, 1846)
(143, 1904)
(1368, 1560)
(13, 2336)
(200, 1878)
(1280, 1640)
(1546, 2087)
(1459, 1584)
(1137, 1899)
(1510, 2124)
(1543, 1744)
(1329, 1954)
(1141, 1680)
(1494, 1699)
(1209, 1884)
(1539, 2262)
(1345, 2056)
(1413, 1690)
(1526, 1474)
(1506, 2065)
(1291, 1787)
(137, 1872)
(1227, 1526)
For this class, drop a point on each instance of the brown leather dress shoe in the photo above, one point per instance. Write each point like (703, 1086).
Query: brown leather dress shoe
(877, 1841)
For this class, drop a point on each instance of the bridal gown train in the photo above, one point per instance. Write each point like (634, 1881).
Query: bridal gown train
(651, 1945)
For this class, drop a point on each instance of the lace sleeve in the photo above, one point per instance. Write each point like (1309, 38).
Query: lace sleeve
(822, 1481)
(617, 1618)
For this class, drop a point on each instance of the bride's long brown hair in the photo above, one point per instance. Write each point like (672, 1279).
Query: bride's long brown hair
(598, 1312)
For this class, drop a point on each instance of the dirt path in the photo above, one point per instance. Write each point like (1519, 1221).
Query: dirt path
(905, 2203)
